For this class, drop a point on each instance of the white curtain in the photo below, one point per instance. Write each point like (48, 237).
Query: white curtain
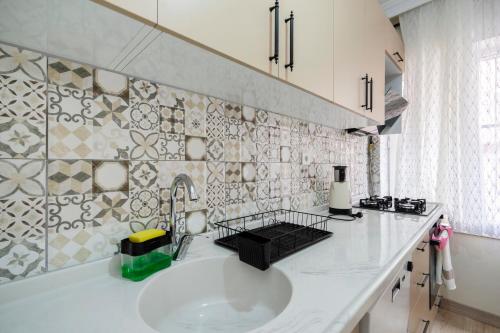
(449, 149)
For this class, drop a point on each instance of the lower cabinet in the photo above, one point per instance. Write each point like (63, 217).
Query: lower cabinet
(421, 316)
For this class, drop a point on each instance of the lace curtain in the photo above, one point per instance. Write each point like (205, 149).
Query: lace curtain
(449, 149)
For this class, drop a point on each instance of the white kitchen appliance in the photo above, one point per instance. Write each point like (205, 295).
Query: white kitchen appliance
(340, 192)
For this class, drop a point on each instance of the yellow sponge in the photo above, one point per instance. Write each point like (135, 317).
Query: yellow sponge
(145, 235)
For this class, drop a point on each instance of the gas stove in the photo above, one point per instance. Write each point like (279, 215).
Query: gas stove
(396, 205)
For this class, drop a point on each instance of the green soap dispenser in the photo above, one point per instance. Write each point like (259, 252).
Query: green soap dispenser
(144, 253)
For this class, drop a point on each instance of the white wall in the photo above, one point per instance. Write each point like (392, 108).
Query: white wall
(476, 261)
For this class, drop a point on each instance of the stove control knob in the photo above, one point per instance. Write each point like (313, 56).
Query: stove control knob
(409, 266)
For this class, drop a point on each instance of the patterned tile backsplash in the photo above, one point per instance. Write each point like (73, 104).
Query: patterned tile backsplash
(87, 157)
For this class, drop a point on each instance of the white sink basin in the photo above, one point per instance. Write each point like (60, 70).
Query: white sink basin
(214, 295)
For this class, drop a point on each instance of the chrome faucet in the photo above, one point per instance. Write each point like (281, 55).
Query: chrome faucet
(180, 243)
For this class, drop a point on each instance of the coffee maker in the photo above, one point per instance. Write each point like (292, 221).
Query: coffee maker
(340, 192)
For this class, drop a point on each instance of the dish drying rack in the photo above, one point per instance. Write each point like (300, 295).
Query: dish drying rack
(264, 238)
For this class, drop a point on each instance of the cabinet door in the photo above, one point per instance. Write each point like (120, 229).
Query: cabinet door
(240, 30)
(312, 45)
(394, 45)
(144, 10)
(348, 53)
(374, 58)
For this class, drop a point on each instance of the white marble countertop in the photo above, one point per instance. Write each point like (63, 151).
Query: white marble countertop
(334, 283)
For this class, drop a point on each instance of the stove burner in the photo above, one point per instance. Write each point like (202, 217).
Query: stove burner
(375, 202)
(407, 205)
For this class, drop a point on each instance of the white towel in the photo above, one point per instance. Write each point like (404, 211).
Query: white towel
(444, 268)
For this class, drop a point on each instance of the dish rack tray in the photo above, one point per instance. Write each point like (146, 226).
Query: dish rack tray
(264, 238)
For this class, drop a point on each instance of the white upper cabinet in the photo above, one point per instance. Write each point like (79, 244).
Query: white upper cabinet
(241, 30)
(394, 45)
(307, 59)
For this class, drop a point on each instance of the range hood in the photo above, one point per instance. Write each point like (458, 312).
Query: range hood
(395, 105)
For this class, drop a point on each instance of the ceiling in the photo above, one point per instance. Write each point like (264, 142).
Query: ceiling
(395, 7)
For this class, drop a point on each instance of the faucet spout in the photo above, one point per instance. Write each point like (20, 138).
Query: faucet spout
(179, 242)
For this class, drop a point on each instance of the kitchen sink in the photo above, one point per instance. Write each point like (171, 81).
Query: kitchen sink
(214, 295)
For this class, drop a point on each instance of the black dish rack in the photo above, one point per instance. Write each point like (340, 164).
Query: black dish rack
(264, 238)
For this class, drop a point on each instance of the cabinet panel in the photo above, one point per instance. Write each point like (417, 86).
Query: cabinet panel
(349, 47)
(375, 57)
(242, 30)
(394, 45)
(313, 45)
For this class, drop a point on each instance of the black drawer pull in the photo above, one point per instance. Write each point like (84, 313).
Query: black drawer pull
(426, 327)
(365, 78)
(400, 58)
(423, 246)
(291, 19)
(276, 9)
(424, 281)
(371, 95)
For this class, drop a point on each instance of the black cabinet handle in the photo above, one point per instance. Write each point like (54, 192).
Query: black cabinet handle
(426, 327)
(276, 9)
(400, 58)
(371, 95)
(291, 19)
(365, 78)
(424, 281)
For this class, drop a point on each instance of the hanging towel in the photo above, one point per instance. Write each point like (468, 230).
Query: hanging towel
(444, 269)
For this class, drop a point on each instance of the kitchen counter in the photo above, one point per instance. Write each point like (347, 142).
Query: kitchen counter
(335, 282)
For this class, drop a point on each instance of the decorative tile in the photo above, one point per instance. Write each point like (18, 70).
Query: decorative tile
(145, 204)
(249, 208)
(111, 109)
(233, 172)
(69, 74)
(68, 177)
(263, 205)
(249, 114)
(248, 172)
(274, 153)
(215, 172)
(144, 116)
(111, 207)
(167, 96)
(106, 82)
(215, 150)
(286, 185)
(214, 215)
(295, 155)
(70, 212)
(262, 152)
(21, 219)
(233, 211)
(24, 99)
(232, 111)
(70, 105)
(262, 134)
(263, 190)
(261, 117)
(144, 145)
(233, 193)
(110, 176)
(196, 221)
(232, 150)
(141, 90)
(196, 148)
(143, 174)
(248, 192)
(195, 112)
(22, 64)
(172, 118)
(216, 195)
(233, 129)
(286, 203)
(285, 154)
(274, 190)
(262, 171)
(165, 201)
(248, 152)
(22, 138)
(69, 140)
(22, 178)
(248, 131)
(110, 142)
(21, 259)
(274, 136)
(172, 147)
(286, 171)
(285, 138)
(274, 171)
(215, 119)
